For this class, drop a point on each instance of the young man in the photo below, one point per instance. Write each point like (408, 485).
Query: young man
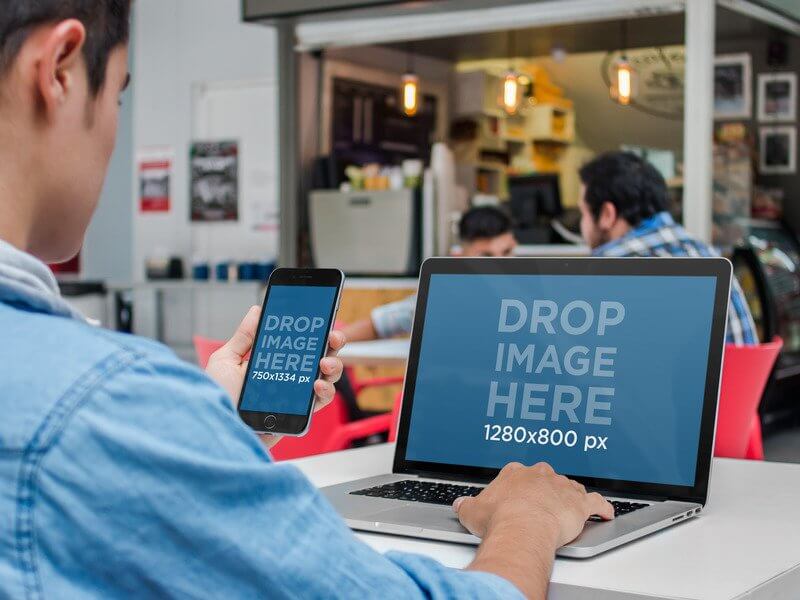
(483, 231)
(125, 472)
(625, 212)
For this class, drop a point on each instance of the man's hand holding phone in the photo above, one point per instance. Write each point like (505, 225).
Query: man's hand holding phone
(228, 365)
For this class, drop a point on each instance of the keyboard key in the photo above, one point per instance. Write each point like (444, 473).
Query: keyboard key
(621, 508)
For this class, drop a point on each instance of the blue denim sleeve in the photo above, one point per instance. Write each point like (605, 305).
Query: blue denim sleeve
(154, 488)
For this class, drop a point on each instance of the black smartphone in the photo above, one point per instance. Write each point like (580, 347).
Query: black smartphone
(297, 317)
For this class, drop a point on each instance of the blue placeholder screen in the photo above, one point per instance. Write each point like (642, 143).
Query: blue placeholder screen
(288, 348)
(601, 376)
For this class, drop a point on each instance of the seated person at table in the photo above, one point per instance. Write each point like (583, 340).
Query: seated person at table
(483, 231)
(126, 472)
(624, 212)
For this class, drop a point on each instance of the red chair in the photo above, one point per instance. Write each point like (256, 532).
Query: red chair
(744, 376)
(331, 431)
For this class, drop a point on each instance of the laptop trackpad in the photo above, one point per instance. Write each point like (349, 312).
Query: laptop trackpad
(421, 515)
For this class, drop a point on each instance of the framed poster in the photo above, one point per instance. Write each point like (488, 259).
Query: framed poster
(215, 181)
(154, 171)
(778, 150)
(777, 97)
(732, 86)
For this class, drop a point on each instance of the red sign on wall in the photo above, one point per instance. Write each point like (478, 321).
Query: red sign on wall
(154, 185)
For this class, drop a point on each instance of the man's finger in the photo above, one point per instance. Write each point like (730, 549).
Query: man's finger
(336, 341)
(458, 503)
(331, 369)
(600, 506)
(242, 340)
(323, 392)
(463, 509)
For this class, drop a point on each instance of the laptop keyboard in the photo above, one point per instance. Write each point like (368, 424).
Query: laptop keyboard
(434, 492)
(430, 492)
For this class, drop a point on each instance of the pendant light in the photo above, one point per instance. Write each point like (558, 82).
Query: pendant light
(624, 79)
(409, 91)
(510, 96)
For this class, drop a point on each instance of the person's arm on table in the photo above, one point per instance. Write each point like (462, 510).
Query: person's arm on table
(523, 517)
(156, 488)
(530, 510)
(386, 321)
(360, 331)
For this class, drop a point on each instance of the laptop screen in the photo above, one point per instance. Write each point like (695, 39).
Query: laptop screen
(600, 376)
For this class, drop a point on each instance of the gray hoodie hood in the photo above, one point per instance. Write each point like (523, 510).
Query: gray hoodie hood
(27, 282)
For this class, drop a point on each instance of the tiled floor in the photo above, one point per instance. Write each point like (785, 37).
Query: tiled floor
(783, 446)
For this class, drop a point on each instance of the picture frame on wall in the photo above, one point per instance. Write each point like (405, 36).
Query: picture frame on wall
(733, 83)
(778, 150)
(777, 97)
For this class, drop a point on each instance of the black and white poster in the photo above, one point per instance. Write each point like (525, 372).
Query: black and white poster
(732, 85)
(778, 150)
(215, 181)
(777, 97)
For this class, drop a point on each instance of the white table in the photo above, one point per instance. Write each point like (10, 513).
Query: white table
(746, 545)
(380, 353)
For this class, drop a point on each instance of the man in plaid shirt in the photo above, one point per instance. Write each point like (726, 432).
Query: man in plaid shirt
(624, 212)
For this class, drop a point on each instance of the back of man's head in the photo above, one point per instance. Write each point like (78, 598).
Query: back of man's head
(634, 186)
(486, 231)
(483, 222)
(63, 66)
(106, 23)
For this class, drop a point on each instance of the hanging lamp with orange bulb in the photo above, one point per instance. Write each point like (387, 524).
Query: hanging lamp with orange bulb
(625, 79)
(510, 96)
(409, 90)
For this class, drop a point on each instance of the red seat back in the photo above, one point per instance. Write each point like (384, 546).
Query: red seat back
(204, 347)
(394, 423)
(745, 373)
(323, 423)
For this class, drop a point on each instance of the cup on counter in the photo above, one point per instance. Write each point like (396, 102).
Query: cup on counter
(221, 271)
(248, 271)
(201, 271)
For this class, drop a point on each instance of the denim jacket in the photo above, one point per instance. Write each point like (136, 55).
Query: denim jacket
(125, 472)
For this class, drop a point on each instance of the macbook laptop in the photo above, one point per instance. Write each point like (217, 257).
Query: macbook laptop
(607, 369)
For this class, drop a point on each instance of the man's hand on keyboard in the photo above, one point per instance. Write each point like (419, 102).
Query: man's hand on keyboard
(523, 517)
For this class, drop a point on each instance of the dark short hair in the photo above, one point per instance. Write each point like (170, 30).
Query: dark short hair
(106, 22)
(483, 222)
(631, 184)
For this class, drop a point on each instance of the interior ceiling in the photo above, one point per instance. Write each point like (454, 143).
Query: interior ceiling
(789, 7)
(537, 41)
(577, 38)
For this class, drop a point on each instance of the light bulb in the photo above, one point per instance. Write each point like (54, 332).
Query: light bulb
(624, 83)
(624, 87)
(510, 93)
(410, 94)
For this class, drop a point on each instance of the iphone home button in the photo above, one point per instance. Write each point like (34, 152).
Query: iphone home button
(270, 421)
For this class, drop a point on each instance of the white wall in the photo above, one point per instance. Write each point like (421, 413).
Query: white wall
(179, 44)
(182, 47)
(108, 245)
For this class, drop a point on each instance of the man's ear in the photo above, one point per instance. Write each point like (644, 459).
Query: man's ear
(58, 62)
(608, 216)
